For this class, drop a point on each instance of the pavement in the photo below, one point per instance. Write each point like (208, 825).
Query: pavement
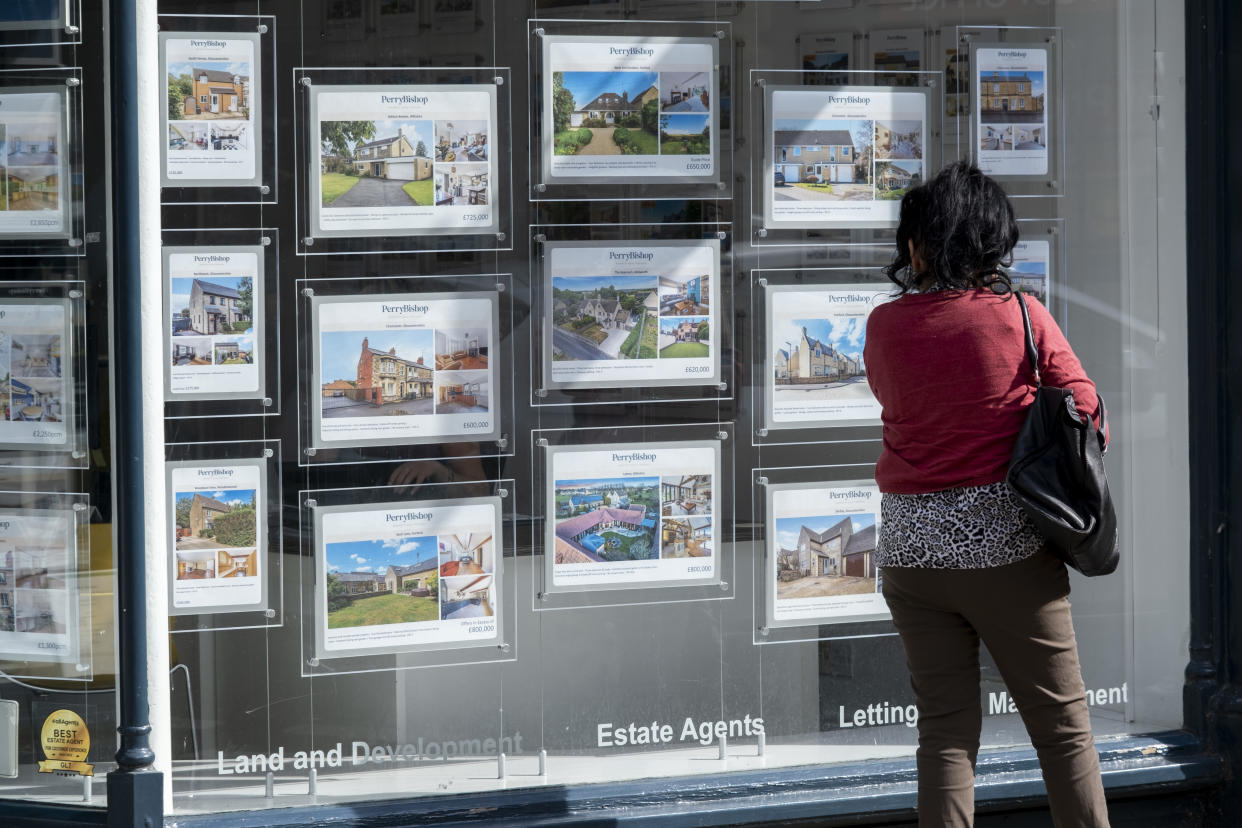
(854, 389)
(841, 192)
(405, 407)
(374, 192)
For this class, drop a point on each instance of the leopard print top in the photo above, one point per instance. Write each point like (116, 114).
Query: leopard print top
(970, 528)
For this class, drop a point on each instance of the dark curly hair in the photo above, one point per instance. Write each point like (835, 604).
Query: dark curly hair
(963, 227)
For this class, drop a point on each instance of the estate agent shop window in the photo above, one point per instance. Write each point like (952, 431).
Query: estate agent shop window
(508, 424)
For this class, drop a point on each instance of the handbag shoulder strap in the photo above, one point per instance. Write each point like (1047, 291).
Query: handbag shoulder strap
(1032, 352)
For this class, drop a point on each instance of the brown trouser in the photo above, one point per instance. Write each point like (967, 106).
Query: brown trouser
(1022, 613)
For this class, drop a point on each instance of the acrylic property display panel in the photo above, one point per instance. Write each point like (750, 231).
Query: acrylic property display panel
(895, 53)
(819, 556)
(394, 369)
(34, 139)
(39, 597)
(814, 373)
(212, 126)
(625, 314)
(1011, 110)
(38, 396)
(408, 576)
(215, 338)
(218, 515)
(842, 157)
(642, 109)
(38, 22)
(826, 57)
(402, 160)
(632, 515)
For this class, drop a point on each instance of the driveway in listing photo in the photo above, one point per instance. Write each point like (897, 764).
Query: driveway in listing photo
(851, 389)
(375, 192)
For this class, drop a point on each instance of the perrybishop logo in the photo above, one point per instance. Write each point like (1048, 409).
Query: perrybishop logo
(633, 457)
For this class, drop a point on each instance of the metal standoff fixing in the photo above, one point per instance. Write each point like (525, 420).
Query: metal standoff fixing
(266, 241)
(267, 402)
(79, 507)
(310, 503)
(308, 291)
(305, 81)
(722, 745)
(540, 237)
(500, 766)
(722, 386)
(761, 432)
(502, 492)
(722, 235)
(543, 763)
(86, 789)
(74, 30)
(307, 241)
(760, 82)
(724, 586)
(269, 785)
(262, 29)
(541, 188)
(264, 189)
(762, 233)
(269, 613)
(761, 481)
(763, 282)
(312, 781)
(722, 435)
(313, 661)
(502, 443)
(720, 36)
(267, 452)
(761, 745)
(72, 82)
(542, 442)
(539, 32)
(75, 294)
(500, 237)
(499, 81)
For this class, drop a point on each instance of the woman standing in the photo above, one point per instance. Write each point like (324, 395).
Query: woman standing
(961, 561)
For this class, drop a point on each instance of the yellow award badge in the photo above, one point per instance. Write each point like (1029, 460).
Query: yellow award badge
(66, 743)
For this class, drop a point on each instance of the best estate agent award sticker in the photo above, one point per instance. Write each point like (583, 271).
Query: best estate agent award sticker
(66, 742)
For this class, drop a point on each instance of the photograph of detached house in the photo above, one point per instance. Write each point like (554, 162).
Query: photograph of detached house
(467, 553)
(208, 90)
(685, 91)
(224, 305)
(239, 351)
(461, 141)
(685, 337)
(467, 597)
(606, 519)
(462, 392)
(684, 295)
(686, 494)
(689, 537)
(377, 373)
(196, 565)
(461, 349)
(32, 164)
(1011, 97)
(894, 178)
(819, 359)
(605, 113)
(384, 163)
(825, 556)
(898, 140)
(372, 583)
(225, 518)
(823, 159)
(604, 317)
(461, 185)
(187, 351)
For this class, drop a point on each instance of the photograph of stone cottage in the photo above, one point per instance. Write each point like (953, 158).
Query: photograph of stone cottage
(377, 582)
(825, 555)
(605, 113)
(598, 318)
(606, 519)
(819, 359)
(1011, 97)
(377, 373)
(823, 159)
(385, 163)
(213, 520)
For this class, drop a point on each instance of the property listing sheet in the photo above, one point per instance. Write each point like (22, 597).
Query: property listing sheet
(212, 124)
(626, 314)
(630, 108)
(38, 585)
(34, 163)
(36, 361)
(1030, 270)
(1011, 110)
(407, 576)
(219, 561)
(821, 553)
(404, 368)
(215, 347)
(815, 372)
(633, 514)
(403, 160)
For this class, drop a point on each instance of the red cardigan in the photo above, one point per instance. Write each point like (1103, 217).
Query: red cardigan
(951, 373)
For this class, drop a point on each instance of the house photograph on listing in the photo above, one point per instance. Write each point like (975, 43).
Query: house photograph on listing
(606, 519)
(377, 373)
(823, 159)
(382, 581)
(605, 113)
(208, 90)
(825, 556)
(385, 163)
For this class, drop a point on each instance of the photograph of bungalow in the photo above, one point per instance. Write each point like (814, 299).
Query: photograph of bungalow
(376, 163)
(689, 537)
(32, 164)
(461, 141)
(598, 318)
(35, 355)
(461, 349)
(894, 178)
(685, 91)
(188, 136)
(382, 581)
(237, 563)
(683, 495)
(605, 113)
(684, 295)
(819, 359)
(992, 138)
(467, 597)
(224, 305)
(898, 140)
(685, 337)
(467, 553)
(824, 556)
(1018, 137)
(823, 159)
(34, 400)
(225, 518)
(606, 519)
(1011, 97)
(190, 351)
(462, 392)
(460, 185)
(208, 90)
(390, 371)
(685, 135)
(196, 565)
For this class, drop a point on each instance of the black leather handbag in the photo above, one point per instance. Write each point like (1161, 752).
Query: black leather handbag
(1057, 474)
